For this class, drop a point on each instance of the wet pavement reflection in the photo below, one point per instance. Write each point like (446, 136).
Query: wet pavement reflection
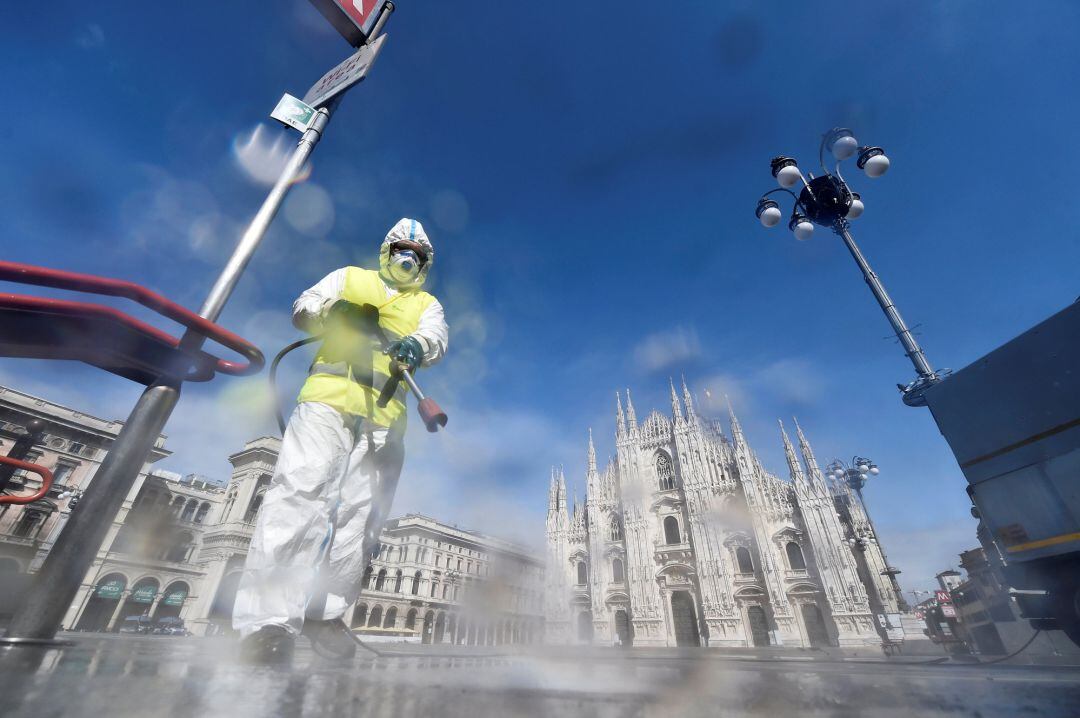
(124, 676)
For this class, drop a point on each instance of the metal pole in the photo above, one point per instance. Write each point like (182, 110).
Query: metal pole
(63, 571)
(907, 340)
(858, 483)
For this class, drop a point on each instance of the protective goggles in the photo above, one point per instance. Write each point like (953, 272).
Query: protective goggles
(404, 245)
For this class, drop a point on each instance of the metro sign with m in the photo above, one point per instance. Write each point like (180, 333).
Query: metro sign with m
(354, 19)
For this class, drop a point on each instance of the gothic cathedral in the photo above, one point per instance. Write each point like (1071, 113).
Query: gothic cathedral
(684, 539)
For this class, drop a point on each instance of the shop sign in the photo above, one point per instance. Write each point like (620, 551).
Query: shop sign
(143, 594)
(111, 589)
(175, 598)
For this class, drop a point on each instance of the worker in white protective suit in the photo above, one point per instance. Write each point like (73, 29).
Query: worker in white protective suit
(342, 453)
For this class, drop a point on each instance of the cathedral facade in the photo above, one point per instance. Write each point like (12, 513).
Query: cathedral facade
(685, 539)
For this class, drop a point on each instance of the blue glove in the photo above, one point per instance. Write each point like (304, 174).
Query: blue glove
(408, 352)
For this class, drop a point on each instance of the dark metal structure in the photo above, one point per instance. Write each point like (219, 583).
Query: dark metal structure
(829, 202)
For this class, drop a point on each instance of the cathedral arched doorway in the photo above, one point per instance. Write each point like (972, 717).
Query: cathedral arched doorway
(584, 627)
(814, 623)
(759, 625)
(622, 629)
(684, 619)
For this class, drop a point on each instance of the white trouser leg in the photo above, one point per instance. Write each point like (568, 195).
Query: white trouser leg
(294, 520)
(366, 494)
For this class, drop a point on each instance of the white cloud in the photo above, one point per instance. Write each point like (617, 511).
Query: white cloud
(664, 349)
(785, 381)
(90, 37)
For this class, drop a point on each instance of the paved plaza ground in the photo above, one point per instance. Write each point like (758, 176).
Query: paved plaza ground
(119, 676)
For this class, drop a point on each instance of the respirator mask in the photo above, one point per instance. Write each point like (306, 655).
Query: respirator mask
(403, 266)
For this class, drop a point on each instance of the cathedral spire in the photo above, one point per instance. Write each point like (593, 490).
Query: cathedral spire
(620, 418)
(631, 417)
(553, 493)
(687, 399)
(736, 427)
(676, 407)
(794, 467)
(592, 456)
(808, 457)
(562, 491)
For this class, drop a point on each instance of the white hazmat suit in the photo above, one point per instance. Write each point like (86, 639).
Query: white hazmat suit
(333, 483)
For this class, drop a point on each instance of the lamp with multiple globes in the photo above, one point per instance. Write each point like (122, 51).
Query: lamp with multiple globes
(829, 202)
(825, 200)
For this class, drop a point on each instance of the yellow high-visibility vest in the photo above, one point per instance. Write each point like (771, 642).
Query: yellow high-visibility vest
(349, 371)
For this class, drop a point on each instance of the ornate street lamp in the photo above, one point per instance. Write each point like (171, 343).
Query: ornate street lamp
(827, 201)
(855, 475)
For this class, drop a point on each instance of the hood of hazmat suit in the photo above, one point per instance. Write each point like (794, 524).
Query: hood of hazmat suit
(406, 230)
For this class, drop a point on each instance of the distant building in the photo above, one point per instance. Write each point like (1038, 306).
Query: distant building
(685, 539)
(72, 447)
(442, 584)
(949, 579)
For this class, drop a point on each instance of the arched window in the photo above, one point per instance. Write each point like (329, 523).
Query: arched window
(257, 499)
(380, 580)
(410, 619)
(391, 618)
(178, 505)
(375, 618)
(200, 515)
(434, 588)
(617, 570)
(359, 616)
(795, 557)
(367, 577)
(445, 590)
(404, 554)
(671, 530)
(397, 583)
(189, 510)
(665, 472)
(181, 547)
(742, 556)
(416, 583)
(615, 531)
(582, 573)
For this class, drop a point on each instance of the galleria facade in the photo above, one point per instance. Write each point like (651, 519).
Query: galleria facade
(685, 539)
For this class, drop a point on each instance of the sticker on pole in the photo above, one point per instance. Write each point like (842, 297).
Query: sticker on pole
(295, 113)
(345, 75)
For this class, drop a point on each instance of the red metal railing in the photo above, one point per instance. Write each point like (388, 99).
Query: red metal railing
(46, 481)
(60, 279)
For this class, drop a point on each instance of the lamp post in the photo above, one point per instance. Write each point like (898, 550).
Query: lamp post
(828, 201)
(855, 475)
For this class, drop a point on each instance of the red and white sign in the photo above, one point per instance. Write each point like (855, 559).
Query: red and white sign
(354, 19)
(942, 596)
(948, 611)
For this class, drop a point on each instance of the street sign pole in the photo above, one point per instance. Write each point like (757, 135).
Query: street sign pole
(56, 584)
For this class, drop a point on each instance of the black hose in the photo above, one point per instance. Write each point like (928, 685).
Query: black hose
(1014, 653)
(273, 376)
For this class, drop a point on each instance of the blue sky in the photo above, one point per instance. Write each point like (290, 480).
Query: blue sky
(589, 180)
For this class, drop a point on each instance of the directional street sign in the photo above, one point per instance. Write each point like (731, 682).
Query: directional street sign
(345, 75)
(293, 112)
(354, 19)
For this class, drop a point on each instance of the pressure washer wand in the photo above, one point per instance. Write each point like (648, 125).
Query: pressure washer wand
(432, 415)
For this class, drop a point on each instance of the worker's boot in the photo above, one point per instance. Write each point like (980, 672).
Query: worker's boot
(270, 645)
(331, 639)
